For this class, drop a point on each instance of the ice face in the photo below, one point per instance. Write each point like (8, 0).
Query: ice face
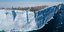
(20, 23)
(17, 20)
(6, 22)
(20, 20)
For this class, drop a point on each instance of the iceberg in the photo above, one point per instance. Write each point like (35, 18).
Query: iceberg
(26, 20)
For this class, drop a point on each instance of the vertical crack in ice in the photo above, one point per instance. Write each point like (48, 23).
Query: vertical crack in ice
(14, 14)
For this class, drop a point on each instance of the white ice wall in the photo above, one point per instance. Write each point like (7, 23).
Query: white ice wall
(20, 22)
(6, 22)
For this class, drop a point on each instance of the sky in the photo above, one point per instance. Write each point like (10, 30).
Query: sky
(22, 3)
(31, 0)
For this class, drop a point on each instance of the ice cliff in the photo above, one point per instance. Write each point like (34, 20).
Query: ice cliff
(18, 20)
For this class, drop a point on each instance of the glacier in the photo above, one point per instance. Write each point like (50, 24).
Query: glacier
(18, 20)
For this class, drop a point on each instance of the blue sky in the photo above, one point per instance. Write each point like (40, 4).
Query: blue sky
(22, 3)
(31, 0)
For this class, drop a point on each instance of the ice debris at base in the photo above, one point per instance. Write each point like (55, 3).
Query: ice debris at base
(17, 20)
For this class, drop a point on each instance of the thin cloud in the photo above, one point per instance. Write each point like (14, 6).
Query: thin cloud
(19, 4)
